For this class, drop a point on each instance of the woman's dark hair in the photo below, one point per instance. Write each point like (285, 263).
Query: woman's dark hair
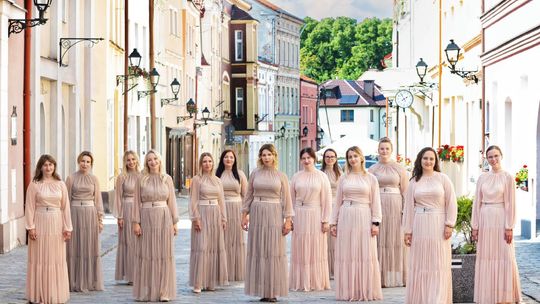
(493, 147)
(38, 174)
(418, 171)
(335, 168)
(86, 153)
(310, 152)
(221, 166)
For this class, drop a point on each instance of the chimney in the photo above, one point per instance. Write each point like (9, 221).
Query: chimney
(369, 88)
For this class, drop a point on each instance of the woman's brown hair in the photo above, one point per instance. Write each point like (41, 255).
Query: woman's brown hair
(310, 152)
(493, 147)
(201, 158)
(335, 168)
(38, 174)
(86, 153)
(418, 171)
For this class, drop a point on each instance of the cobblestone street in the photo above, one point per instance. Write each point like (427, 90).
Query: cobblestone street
(13, 273)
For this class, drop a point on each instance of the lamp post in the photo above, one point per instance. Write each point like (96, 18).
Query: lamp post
(154, 81)
(305, 131)
(421, 70)
(16, 26)
(319, 137)
(452, 52)
(175, 89)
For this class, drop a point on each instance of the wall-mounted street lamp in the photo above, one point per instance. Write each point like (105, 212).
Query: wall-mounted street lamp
(67, 43)
(421, 69)
(452, 55)
(134, 64)
(281, 132)
(206, 115)
(14, 126)
(16, 26)
(319, 136)
(154, 80)
(191, 108)
(175, 89)
(305, 131)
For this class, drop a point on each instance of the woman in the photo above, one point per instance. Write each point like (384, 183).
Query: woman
(496, 278)
(154, 219)
(124, 197)
(48, 221)
(333, 172)
(268, 204)
(234, 187)
(393, 182)
(429, 218)
(83, 250)
(355, 222)
(311, 194)
(208, 259)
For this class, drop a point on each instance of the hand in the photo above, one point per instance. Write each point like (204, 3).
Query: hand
(224, 225)
(137, 229)
(408, 239)
(287, 227)
(374, 230)
(245, 222)
(474, 235)
(67, 235)
(175, 231)
(447, 232)
(325, 227)
(100, 226)
(508, 235)
(32, 234)
(333, 230)
(196, 224)
(120, 224)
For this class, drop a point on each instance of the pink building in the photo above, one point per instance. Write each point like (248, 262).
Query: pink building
(308, 112)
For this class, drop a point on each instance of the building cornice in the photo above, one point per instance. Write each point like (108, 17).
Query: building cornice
(500, 11)
(512, 47)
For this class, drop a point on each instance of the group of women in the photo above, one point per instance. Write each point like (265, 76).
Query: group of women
(366, 229)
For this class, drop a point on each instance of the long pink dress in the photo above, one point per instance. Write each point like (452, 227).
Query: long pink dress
(208, 258)
(83, 250)
(496, 278)
(430, 204)
(123, 205)
(47, 210)
(268, 203)
(358, 205)
(154, 208)
(333, 179)
(393, 182)
(235, 239)
(311, 196)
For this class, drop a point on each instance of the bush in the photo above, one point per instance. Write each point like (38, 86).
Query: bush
(463, 226)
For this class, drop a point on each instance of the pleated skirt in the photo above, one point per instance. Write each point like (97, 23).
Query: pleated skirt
(155, 272)
(429, 279)
(125, 255)
(235, 241)
(309, 252)
(496, 278)
(47, 277)
(83, 251)
(390, 247)
(357, 273)
(208, 259)
(331, 241)
(266, 260)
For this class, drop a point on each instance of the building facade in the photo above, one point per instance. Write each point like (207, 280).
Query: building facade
(309, 91)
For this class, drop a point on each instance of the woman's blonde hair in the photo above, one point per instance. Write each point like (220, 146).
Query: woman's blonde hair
(356, 150)
(386, 140)
(205, 154)
(125, 169)
(272, 150)
(86, 153)
(146, 170)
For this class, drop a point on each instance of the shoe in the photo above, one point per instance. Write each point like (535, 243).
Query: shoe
(164, 299)
(196, 290)
(210, 289)
(272, 300)
(264, 300)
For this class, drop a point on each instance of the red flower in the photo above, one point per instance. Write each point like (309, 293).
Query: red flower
(525, 166)
(517, 179)
(446, 147)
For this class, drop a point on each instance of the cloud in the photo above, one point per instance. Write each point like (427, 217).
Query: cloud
(318, 9)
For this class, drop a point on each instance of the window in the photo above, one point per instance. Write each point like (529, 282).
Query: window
(371, 114)
(347, 115)
(173, 22)
(239, 101)
(238, 45)
(371, 136)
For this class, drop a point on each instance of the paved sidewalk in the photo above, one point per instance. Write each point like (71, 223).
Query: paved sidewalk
(13, 275)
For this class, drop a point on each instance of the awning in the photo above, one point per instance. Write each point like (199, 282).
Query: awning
(178, 132)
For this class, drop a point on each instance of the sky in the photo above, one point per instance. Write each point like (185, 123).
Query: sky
(318, 9)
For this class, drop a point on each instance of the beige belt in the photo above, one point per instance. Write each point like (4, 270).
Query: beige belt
(429, 210)
(212, 202)
(128, 199)
(47, 209)
(350, 203)
(492, 203)
(154, 204)
(82, 203)
(266, 200)
(308, 204)
(233, 199)
(390, 190)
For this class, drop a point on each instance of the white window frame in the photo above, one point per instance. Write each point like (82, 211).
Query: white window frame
(239, 101)
(238, 45)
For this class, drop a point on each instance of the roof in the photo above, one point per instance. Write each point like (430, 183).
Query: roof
(307, 79)
(239, 14)
(276, 8)
(353, 93)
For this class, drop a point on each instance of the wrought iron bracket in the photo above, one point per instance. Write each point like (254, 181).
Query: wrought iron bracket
(141, 94)
(167, 101)
(257, 120)
(179, 119)
(469, 75)
(18, 25)
(67, 43)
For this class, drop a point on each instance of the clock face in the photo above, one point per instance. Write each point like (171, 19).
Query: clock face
(404, 98)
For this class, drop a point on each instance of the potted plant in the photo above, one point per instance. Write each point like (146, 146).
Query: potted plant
(451, 153)
(463, 254)
(522, 178)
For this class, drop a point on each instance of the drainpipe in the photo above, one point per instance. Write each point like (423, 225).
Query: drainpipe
(27, 172)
